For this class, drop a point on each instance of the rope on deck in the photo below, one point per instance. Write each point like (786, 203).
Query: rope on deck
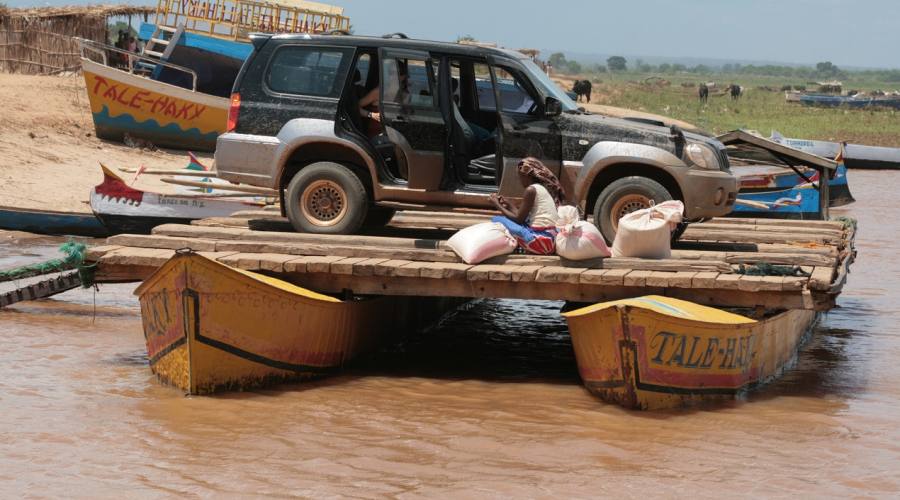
(766, 269)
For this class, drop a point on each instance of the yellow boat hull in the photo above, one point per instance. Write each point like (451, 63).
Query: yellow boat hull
(211, 327)
(656, 352)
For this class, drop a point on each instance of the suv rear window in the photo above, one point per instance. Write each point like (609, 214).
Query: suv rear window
(313, 71)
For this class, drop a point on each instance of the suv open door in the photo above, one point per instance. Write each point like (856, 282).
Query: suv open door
(411, 116)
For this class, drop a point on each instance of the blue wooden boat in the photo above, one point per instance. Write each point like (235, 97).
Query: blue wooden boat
(832, 101)
(800, 202)
(856, 156)
(755, 179)
(51, 222)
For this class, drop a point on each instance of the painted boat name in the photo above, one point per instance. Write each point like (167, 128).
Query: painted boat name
(683, 351)
(143, 99)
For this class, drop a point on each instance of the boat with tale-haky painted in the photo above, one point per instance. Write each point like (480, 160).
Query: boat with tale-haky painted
(176, 91)
(212, 327)
(657, 352)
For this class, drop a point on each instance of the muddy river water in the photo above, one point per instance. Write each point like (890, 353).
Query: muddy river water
(486, 404)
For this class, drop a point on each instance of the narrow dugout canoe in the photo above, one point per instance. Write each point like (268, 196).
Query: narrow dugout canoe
(656, 352)
(211, 327)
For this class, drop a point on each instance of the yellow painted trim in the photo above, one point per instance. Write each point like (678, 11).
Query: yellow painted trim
(668, 306)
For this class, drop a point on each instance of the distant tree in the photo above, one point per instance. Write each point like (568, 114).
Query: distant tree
(558, 60)
(617, 63)
(665, 68)
(598, 68)
(678, 68)
(573, 66)
(826, 68)
(701, 69)
(465, 38)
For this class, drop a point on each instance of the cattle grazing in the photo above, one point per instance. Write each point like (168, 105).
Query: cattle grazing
(582, 88)
(736, 91)
(703, 92)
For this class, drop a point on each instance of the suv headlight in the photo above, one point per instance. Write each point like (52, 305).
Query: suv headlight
(702, 156)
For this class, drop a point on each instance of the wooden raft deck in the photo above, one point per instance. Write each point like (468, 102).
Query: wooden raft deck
(410, 257)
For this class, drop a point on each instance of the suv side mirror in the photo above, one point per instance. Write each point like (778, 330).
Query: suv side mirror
(552, 107)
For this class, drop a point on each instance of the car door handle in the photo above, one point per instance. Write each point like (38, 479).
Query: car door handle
(520, 127)
(401, 119)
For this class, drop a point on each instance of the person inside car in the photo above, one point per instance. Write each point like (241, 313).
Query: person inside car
(397, 89)
(533, 223)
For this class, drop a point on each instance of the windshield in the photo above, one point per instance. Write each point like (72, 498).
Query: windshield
(547, 86)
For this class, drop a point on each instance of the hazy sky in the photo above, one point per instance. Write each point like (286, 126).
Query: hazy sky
(861, 33)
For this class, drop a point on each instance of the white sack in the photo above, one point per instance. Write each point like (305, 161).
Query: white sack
(481, 242)
(577, 239)
(647, 233)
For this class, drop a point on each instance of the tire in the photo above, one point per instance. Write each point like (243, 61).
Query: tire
(378, 217)
(326, 198)
(624, 196)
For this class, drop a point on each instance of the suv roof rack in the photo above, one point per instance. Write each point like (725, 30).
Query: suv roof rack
(337, 32)
(396, 35)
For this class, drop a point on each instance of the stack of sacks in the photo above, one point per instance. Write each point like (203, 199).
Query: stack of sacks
(647, 233)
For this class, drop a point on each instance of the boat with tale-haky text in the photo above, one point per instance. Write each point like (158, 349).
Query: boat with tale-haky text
(176, 91)
(655, 352)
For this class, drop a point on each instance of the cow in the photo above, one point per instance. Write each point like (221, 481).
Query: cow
(703, 92)
(736, 91)
(582, 88)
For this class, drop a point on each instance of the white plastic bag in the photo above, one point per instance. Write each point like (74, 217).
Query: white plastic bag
(577, 239)
(647, 233)
(481, 242)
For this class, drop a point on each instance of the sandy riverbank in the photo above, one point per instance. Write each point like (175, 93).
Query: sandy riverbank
(49, 156)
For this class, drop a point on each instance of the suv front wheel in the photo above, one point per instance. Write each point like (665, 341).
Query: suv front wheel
(623, 196)
(326, 198)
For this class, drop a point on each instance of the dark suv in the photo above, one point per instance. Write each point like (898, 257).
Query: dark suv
(447, 128)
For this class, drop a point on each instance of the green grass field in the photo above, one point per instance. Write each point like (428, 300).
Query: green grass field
(758, 109)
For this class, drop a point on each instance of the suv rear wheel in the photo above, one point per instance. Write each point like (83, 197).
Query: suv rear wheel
(623, 196)
(326, 198)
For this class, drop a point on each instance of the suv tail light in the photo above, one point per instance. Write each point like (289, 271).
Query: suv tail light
(233, 112)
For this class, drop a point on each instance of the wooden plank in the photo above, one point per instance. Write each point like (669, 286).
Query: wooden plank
(390, 267)
(273, 262)
(728, 281)
(94, 254)
(137, 257)
(592, 276)
(636, 278)
(159, 241)
(682, 279)
(821, 278)
(558, 274)
(760, 283)
(367, 267)
(525, 273)
(443, 271)
(792, 283)
(345, 265)
(489, 272)
(188, 231)
(774, 222)
(704, 280)
(339, 250)
(321, 264)
(614, 277)
(462, 287)
(659, 278)
(830, 231)
(696, 234)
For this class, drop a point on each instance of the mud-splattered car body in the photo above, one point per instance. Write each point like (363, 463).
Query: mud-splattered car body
(439, 139)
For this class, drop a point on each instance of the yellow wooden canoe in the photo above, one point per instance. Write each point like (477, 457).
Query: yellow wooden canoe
(209, 326)
(657, 352)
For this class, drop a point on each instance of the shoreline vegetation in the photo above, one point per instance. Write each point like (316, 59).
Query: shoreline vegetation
(673, 92)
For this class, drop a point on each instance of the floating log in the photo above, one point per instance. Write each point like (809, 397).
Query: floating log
(42, 289)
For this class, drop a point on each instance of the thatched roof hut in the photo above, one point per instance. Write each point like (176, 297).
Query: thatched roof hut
(40, 40)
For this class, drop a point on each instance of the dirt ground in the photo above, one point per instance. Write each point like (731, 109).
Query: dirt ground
(49, 156)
